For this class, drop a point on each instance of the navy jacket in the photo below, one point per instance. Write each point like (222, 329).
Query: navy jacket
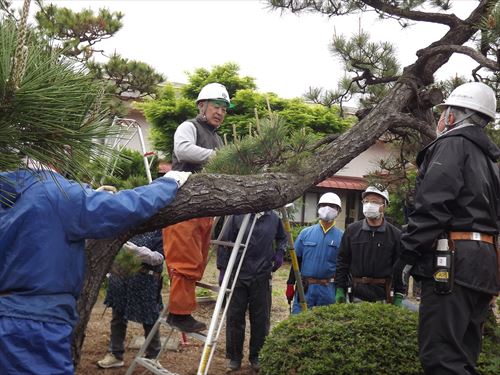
(261, 250)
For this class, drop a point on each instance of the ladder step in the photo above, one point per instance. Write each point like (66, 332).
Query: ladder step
(151, 365)
(225, 243)
(213, 288)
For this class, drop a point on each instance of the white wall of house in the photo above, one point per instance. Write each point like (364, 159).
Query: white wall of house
(368, 161)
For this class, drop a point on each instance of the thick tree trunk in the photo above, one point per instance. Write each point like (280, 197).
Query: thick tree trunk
(213, 195)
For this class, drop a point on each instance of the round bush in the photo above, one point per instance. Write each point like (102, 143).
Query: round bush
(345, 339)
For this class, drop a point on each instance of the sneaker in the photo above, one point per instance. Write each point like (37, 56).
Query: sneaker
(255, 364)
(233, 365)
(185, 323)
(110, 361)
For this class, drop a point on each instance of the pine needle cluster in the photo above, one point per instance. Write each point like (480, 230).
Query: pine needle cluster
(270, 146)
(51, 112)
(126, 264)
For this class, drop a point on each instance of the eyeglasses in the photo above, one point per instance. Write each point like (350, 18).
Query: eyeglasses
(364, 201)
(219, 104)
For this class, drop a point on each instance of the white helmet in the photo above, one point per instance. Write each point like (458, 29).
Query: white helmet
(214, 91)
(473, 95)
(373, 190)
(330, 198)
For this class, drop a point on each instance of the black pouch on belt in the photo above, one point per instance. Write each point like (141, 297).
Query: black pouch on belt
(444, 265)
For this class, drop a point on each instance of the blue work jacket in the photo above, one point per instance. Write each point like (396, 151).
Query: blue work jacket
(44, 221)
(318, 251)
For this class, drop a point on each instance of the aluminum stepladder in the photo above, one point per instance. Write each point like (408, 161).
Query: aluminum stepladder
(217, 321)
(127, 129)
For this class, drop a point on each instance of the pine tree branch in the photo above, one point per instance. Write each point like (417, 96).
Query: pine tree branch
(471, 52)
(445, 19)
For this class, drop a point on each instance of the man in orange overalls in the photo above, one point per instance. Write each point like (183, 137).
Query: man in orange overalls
(186, 244)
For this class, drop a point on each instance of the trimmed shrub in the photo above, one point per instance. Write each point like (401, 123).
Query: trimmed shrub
(361, 338)
(489, 359)
(345, 339)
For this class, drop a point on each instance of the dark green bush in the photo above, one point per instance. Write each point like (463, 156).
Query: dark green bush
(347, 339)
(489, 359)
(351, 339)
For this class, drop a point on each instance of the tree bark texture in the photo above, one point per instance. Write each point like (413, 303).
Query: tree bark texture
(214, 195)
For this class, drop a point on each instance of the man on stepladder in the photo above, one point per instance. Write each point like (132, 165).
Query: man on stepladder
(186, 244)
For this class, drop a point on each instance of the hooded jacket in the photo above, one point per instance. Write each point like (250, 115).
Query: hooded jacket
(44, 221)
(457, 190)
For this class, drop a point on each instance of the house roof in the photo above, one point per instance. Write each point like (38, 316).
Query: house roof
(344, 182)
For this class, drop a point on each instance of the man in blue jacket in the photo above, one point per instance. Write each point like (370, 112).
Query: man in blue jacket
(317, 248)
(44, 221)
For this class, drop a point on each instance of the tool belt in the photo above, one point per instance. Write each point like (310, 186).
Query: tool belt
(370, 280)
(386, 282)
(312, 280)
(472, 236)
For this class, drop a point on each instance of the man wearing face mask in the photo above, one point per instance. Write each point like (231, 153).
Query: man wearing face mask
(451, 241)
(317, 248)
(368, 251)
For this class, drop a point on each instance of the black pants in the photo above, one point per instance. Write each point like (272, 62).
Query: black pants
(449, 330)
(254, 294)
(119, 330)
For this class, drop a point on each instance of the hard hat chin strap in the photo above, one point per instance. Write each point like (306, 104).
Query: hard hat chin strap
(459, 118)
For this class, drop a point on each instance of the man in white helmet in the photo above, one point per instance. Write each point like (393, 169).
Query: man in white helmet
(368, 251)
(457, 197)
(317, 247)
(186, 244)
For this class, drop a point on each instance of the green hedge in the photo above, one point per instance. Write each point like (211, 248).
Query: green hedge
(351, 339)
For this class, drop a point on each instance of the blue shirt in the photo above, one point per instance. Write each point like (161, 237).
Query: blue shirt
(318, 251)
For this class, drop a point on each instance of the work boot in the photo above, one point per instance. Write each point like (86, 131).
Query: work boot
(110, 361)
(233, 365)
(185, 323)
(255, 364)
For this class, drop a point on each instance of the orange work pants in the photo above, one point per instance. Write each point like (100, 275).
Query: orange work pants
(185, 246)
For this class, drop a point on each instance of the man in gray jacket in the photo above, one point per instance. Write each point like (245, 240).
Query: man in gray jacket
(186, 243)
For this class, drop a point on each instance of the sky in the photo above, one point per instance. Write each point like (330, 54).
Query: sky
(285, 53)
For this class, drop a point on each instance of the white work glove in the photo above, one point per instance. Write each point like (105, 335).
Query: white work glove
(107, 188)
(153, 258)
(179, 177)
(405, 274)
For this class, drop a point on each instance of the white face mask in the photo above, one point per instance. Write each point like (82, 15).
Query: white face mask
(371, 210)
(327, 213)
